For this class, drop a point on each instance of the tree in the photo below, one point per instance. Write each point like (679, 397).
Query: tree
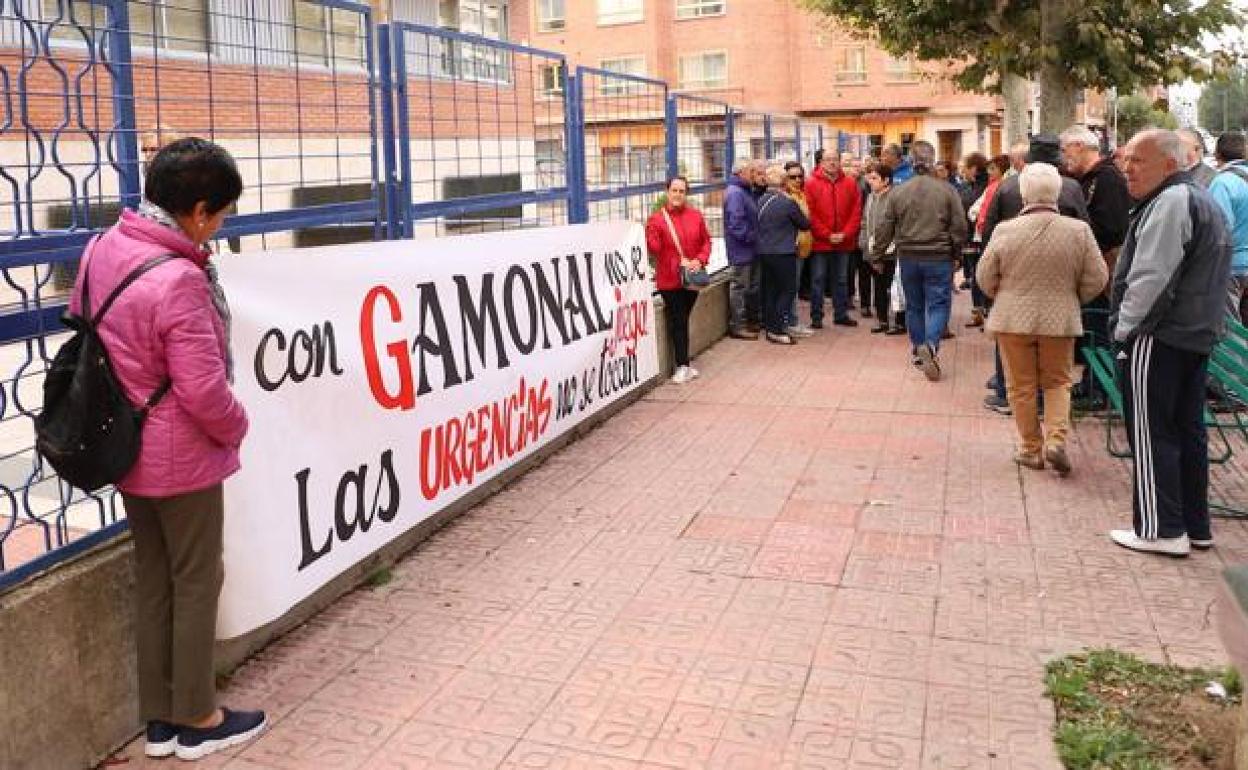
(1223, 104)
(1136, 112)
(1069, 45)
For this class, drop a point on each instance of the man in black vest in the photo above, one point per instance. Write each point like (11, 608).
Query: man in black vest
(1168, 310)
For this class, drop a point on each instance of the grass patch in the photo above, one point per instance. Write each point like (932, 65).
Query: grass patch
(379, 577)
(1117, 712)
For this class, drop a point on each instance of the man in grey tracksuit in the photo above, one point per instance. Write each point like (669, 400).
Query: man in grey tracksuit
(1168, 311)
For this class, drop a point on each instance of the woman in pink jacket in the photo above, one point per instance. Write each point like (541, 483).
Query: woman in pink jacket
(172, 325)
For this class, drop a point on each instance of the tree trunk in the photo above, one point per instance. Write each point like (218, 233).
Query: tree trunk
(1016, 91)
(1057, 92)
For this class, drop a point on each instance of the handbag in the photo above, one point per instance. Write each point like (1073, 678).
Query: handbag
(695, 280)
(897, 295)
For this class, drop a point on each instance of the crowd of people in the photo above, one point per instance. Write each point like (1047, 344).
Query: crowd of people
(1143, 251)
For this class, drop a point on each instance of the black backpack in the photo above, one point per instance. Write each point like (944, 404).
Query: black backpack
(88, 430)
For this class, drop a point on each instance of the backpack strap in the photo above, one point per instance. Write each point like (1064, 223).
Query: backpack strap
(133, 276)
(94, 319)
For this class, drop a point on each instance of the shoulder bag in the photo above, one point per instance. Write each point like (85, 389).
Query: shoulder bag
(695, 280)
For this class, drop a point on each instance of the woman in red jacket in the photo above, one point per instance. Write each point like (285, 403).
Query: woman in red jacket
(677, 236)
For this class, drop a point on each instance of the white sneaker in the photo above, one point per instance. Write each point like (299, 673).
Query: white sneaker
(693, 373)
(800, 331)
(1201, 545)
(1166, 546)
(682, 375)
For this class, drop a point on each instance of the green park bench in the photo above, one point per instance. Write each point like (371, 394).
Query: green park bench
(1228, 373)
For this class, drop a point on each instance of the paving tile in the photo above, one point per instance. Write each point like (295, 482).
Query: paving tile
(728, 529)
(488, 702)
(875, 652)
(321, 736)
(864, 705)
(885, 611)
(535, 756)
(422, 746)
(829, 747)
(601, 721)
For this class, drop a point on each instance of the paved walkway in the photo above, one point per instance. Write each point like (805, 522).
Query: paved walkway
(809, 558)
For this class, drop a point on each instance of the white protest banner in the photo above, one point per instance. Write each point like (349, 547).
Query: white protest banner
(386, 380)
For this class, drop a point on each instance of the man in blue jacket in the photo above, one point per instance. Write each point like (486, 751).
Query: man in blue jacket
(740, 240)
(893, 156)
(1168, 311)
(1230, 189)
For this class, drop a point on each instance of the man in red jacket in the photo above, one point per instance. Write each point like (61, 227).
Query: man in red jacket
(835, 216)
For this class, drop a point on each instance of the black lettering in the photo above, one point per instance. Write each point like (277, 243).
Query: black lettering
(431, 311)
(388, 475)
(362, 519)
(516, 275)
(552, 303)
(474, 318)
(309, 553)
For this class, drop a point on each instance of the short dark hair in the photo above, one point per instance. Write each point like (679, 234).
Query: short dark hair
(883, 171)
(818, 156)
(1002, 162)
(977, 162)
(794, 164)
(894, 149)
(191, 170)
(1230, 146)
(677, 178)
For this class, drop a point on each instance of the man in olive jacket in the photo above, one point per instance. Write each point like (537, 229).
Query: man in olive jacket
(925, 221)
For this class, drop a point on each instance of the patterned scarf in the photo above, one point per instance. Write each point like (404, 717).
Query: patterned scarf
(151, 211)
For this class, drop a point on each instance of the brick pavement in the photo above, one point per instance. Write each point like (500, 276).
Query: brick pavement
(809, 558)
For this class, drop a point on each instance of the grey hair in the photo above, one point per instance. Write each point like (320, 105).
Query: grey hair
(1039, 183)
(1080, 135)
(741, 164)
(1169, 144)
(923, 155)
(776, 175)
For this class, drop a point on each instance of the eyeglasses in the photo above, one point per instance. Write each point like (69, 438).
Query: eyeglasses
(796, 176)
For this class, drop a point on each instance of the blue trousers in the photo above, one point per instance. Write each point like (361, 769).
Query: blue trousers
(829, 270)
(928, 285)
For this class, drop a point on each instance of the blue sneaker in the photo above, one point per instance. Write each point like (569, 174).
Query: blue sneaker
(162, 739)
(237, 727)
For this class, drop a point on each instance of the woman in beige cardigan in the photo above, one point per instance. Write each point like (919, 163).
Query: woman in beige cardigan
(1039, 268)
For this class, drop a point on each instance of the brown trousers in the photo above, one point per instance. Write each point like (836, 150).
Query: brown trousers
(179, 571)
(1032, 362)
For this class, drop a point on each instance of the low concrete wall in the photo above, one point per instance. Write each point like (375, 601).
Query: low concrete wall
(68, 685)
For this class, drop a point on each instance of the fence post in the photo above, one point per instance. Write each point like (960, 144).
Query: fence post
(730, 141)
(578, 184)
(390, 179)
(769, 149)
(820, 145)
(402, 132)
(672, 119)
(125, 127)
(797, 140)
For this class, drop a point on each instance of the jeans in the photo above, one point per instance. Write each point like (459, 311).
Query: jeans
(677, 307)
(978, 298)
(929, 288)
(780, 289)
(1035, 361)
(833, 267)
(743, 295)
(883, 284)
(798, 271)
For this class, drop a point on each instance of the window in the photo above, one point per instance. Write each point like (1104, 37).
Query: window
(174, 25)
(326, 35)
(851, 65)
(551, 15)
(620, 11)
(703, 70)
(549, 80)
(474, 61)
(901, 70)
(632, 65)
(693, 9)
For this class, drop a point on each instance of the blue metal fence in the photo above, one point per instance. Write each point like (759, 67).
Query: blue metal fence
(343, 129)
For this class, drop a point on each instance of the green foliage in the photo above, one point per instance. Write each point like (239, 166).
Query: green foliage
(1223, 105)
(1096, 731)
(379, 577)
(1102, 44)
(1137, 112)
(1232, 681)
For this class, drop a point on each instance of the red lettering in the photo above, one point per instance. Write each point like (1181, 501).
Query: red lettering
(406, 397)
